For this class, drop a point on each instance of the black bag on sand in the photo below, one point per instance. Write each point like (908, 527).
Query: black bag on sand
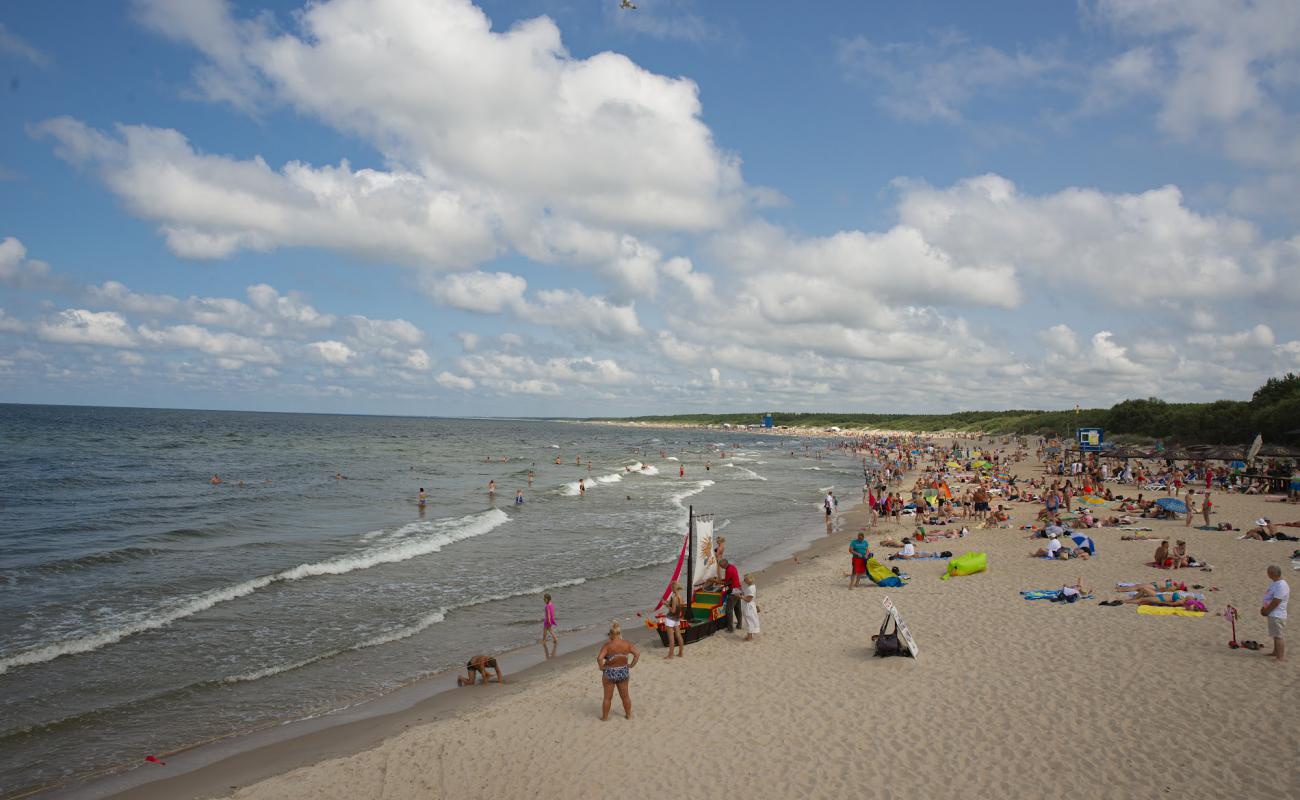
(888, 644)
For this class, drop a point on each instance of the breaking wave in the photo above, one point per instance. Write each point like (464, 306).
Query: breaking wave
(445, 532)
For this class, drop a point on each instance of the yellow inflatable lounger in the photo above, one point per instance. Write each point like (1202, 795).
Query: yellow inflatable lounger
(881, 575)
(966, 564)
(1169, 611)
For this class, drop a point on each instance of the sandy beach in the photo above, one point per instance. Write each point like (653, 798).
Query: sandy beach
(1007, 698)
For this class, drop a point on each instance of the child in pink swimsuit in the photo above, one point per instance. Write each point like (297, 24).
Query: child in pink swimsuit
(548, 628)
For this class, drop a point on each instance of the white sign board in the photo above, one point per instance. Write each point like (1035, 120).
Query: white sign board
(903, 632)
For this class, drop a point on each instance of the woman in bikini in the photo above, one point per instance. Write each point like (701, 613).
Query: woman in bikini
(673, 621)
(1179, 554)
(616, 670)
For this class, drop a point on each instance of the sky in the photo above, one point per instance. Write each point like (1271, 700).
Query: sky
(532, 208)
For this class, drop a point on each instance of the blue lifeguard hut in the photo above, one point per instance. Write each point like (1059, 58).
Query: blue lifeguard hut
(767, 420)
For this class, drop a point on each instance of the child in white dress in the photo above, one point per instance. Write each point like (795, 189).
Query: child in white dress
(749, 607)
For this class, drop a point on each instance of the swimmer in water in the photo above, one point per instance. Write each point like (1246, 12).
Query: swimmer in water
(338, 476)
(519, 497)
(422, 498)
(582, 488)
(579, 461)
(557, 459)
(530, 479)
(216, 480)
(492, 488)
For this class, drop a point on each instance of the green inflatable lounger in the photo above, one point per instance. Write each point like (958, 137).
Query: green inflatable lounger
(966, 564)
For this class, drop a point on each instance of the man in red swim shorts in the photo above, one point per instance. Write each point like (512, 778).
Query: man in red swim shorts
(860, 551)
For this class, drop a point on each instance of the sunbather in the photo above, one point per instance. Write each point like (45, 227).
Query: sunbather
(1051, 550)
(1147, 596)
(1267, 532)
(1071, 592)
(1167, 585)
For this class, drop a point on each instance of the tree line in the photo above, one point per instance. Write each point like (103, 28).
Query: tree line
(1273, 411)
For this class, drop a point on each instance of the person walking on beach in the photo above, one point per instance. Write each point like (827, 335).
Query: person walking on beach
(858, 552)
(673, 621)
(749, 607)
(1206, 505)
(615, 670)
(1274, 609)
(548, 628)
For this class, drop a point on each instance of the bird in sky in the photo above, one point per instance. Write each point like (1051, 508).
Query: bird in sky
(627, 5)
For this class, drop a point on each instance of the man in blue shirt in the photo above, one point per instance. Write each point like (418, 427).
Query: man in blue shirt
(860, 551)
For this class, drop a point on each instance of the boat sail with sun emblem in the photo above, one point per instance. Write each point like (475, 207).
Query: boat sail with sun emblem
(704, 606)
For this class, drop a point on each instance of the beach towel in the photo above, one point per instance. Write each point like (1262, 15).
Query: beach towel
(1133, 528)
(1168, 611)
(1047, 594)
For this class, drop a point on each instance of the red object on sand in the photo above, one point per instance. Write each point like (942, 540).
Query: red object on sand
(154, 760)
(1231, 614)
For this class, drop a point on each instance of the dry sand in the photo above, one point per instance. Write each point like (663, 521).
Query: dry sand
(1008, 698)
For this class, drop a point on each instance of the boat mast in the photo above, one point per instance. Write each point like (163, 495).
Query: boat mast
(690, 558)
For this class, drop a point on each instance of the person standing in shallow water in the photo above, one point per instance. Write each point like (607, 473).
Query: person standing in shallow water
(616, 670)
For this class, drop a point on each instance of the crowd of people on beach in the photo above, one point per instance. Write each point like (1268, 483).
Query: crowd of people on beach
(965, 484)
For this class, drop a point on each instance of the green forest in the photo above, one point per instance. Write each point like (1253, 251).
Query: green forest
(1273, 411)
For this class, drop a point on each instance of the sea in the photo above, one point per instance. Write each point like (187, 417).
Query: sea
(144, 609)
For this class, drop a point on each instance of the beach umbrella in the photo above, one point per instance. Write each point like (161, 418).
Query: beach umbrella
(1172, 504)
(953, 465)
(1084, 542)
(1092, 500)
(1254, 448)
(1237, 465)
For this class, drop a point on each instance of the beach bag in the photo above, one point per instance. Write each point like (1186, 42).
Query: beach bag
(887, 644)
